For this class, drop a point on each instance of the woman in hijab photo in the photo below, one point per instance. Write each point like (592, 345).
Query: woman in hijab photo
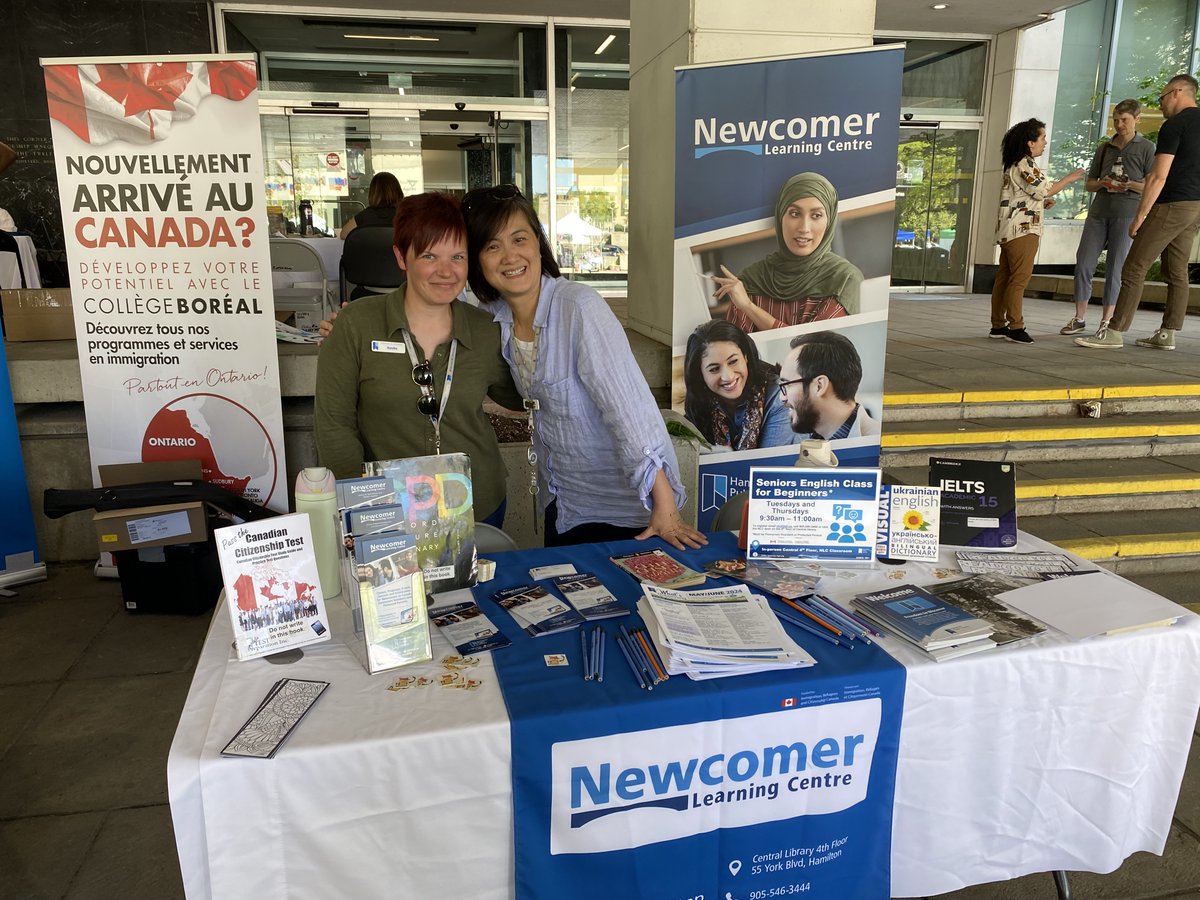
(733, 395)
(804, 280)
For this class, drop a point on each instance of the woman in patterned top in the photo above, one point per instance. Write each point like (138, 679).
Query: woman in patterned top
(804, 280)
(732, 394)
(1024, 195)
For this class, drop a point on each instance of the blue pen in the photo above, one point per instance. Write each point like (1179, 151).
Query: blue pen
(583, 655)
(629, 659)
(851, 629)
(643, 659)
(603, 641)
(595, 651)
(863, 623)
(821, 633)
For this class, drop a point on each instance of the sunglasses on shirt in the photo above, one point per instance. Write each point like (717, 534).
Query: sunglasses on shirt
(422, 376)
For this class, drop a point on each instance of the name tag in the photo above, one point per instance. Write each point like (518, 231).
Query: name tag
(388, 346)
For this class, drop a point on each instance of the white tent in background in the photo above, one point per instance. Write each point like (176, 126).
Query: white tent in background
(579, 231)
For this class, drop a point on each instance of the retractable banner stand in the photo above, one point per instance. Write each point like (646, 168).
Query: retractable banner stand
(785, 176)
(19, 560)
(160, 177)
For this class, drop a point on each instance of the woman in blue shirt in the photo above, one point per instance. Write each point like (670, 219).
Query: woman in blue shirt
(606, 469)
(732, 394)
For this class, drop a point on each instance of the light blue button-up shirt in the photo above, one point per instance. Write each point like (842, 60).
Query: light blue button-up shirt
(599, 436)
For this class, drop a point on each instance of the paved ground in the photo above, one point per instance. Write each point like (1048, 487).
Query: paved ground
(89, 695)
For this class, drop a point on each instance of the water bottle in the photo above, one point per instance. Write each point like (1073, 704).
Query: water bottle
(306, 220)
(317, 496)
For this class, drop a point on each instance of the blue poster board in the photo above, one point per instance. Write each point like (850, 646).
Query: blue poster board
(747, 135)
(19, 560)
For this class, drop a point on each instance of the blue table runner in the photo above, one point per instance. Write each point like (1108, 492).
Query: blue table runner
(767, 785)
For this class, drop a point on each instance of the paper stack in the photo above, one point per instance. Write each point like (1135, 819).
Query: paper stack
(717, 633)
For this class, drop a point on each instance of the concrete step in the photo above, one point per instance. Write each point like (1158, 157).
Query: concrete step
(1091, 485)
(1024, 440)
(1153, 541)
(1113, 400)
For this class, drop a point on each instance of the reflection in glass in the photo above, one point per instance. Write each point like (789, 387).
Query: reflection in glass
(943, 78)
(935, 174)
(591, 210)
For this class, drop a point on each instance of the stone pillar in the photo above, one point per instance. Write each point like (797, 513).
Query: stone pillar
(669, 33)
(1024, 85)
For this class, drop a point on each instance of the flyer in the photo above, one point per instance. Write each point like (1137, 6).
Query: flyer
(272, 589)
(825, 514)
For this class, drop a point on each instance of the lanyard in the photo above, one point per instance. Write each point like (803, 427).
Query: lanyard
(437, 418)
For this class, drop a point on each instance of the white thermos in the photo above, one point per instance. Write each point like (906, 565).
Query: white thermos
(317, 496)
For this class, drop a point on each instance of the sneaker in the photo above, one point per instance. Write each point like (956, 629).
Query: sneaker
(1018, 336)
(1163, 339)
(998, 333)
(1073, 327)
(1105, 338)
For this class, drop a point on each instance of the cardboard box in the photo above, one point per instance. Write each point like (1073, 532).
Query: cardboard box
(38, 314)
(151, 526)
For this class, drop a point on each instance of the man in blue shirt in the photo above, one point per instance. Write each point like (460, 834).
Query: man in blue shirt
(1166, 222)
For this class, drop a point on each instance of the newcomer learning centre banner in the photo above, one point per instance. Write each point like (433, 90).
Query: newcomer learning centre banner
(160, 178)
(785, 176)
(760, 786)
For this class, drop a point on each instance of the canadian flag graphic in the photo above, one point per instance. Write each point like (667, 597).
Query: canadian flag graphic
(139, 101)
(788, 702)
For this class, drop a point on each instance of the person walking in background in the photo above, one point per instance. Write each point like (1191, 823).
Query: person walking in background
(1024, 195)
(1165, 223)
(1116, 177)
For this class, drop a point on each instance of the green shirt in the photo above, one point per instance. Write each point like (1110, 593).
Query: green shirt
(366, 402)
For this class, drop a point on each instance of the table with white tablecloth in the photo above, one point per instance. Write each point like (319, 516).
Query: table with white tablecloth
(1053, 754)
(10, 273)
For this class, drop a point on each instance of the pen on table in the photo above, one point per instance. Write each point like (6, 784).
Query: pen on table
(640, 655)
(800, 609)
(659, 674)
(603, 642)
(866, 626)
(634, 650)
(655, 657)
(629, 659)
(595, 651)
(816, 632)
(827, 610)
(584, 659)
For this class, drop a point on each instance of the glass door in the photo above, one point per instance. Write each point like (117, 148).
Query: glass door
(935, 177)
(327, 152)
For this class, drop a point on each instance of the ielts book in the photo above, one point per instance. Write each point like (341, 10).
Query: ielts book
(979, 502)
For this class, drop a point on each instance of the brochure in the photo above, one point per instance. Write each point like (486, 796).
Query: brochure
(272, 723)
(766, 575)
(825, 514)
(979, 502)
(358, 493)
(909, 518)
(272, 589)
(384, 562)
(1092, 604)
(717, 632)
(464, 624)
(918, 616)
(658, 567)
(589, 596)
(538, 611)
(438, 502)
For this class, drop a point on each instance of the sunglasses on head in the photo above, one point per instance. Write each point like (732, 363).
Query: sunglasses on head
(478, 197)
(422, 376)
